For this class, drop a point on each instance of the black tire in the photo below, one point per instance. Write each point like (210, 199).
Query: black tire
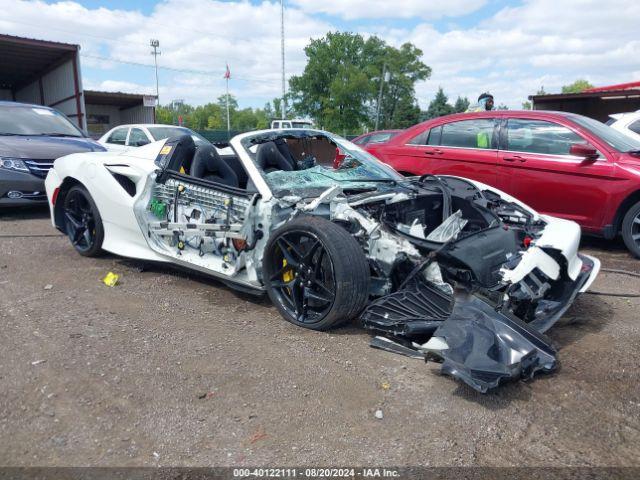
(83, 222)
(315, 273)
(631, 229)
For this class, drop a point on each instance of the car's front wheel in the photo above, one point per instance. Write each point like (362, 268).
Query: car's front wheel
(316, 273)
(631, 229)
(83, 223)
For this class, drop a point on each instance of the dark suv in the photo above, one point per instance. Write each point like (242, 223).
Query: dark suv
(31, 138)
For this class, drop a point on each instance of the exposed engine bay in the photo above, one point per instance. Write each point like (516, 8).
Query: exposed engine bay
(459, 273)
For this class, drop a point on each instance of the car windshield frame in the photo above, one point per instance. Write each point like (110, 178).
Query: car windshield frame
(615, 139)
(187, 131)
(36, 121)
(360, 168)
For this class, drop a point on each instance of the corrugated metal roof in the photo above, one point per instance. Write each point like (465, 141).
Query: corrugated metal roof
(22, 60)
(586, 94)
(618, 87)
(120, 99)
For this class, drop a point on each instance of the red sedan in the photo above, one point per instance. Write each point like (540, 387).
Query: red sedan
(561, 164)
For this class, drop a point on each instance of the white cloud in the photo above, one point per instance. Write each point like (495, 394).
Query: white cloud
(357, 9)
(200, 35)
(546, 43)
(119, 86)
(538, 43)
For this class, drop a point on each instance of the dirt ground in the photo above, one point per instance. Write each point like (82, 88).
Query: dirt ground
(170, 368)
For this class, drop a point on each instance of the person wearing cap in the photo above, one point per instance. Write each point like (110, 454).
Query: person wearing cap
(485, 103)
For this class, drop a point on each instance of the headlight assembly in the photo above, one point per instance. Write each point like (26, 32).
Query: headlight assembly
(13, 164)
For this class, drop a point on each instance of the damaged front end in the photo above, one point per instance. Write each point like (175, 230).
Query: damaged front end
(482, 278)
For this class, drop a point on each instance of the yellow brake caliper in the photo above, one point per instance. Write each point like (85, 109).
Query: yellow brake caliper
(287, 275)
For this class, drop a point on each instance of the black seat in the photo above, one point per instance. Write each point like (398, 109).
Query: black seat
(283, 148)
(208, 165)
(270, 158)
(180, 154)
(234, 162)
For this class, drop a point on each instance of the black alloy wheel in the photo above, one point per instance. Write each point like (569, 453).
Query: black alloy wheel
(83, 222)
(316, 273)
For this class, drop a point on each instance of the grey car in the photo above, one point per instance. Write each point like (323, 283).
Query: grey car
(31, 138)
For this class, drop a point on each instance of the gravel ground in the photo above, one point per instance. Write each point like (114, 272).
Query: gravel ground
(169, 368)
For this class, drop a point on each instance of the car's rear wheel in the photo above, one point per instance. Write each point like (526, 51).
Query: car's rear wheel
(83, 223)
(631, 229)
(315, 272)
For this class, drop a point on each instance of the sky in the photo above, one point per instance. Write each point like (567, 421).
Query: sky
(507, 47)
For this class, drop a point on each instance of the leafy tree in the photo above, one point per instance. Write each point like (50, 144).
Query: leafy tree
(578, 86)
(526, 105)
(213, 116)
(461, 105)
(399, 108)
(340, 83)
(164, 115)
(439, 106)
(541, 91)
(502, 106)
(222, 101)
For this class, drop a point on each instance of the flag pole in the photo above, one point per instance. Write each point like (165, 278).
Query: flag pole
(228, 122)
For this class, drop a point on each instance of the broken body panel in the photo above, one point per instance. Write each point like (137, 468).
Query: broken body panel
(460, 272)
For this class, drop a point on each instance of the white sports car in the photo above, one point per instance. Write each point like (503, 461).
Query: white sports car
(442, 268)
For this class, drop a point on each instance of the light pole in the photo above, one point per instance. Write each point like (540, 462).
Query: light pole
(155, 44)
(283, 104)
(386, 75)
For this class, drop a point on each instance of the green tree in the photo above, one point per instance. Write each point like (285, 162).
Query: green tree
(578, 86)
(399, 108)
(461, 105)
(340, 83)
(439, 106)
(526, 105)
(164, 115)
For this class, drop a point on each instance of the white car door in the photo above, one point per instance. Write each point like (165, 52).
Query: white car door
(116, 141)
(632, 128)
(198, 222)
(137, 138)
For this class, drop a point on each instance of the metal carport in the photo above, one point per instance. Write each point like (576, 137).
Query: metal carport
(44, 73)
(597, 103)
(106, 110)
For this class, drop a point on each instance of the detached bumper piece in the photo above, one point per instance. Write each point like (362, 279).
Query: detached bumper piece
(475, 343)
(419, 309)
(484, 348)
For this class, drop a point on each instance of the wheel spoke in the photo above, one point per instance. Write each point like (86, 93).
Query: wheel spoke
(291, 255)
(279, 274)
(87, 237)
(297, 294)
(312, 251)
(324, 296)
(636, 236)
(283, 284)
(322, 291)
(636, 220)
(75, 223)
(317, 268)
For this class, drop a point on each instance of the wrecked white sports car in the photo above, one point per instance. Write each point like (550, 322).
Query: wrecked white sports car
(441, 268)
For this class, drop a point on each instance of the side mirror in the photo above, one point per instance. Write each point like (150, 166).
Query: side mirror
(141, 143)
(585, 151)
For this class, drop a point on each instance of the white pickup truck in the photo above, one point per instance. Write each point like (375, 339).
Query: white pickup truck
(295, 123)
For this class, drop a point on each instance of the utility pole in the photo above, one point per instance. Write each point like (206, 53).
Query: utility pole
(227, 76)
(383, 78)
(155, 44)
(284, 101)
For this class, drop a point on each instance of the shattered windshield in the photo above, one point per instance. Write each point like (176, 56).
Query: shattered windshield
(305, 159)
